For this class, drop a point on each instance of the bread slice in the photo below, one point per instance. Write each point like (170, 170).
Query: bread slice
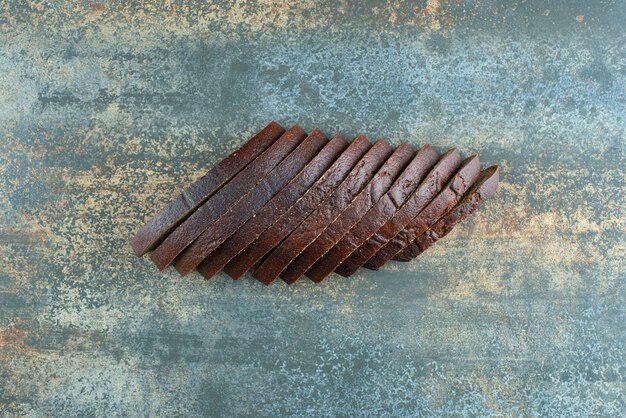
(251, 203)
(278, 205)
(324, 215)
(482, 190)
(444, 201)
(374, 190)
(164, 222)
(221, 201)
(287, 222)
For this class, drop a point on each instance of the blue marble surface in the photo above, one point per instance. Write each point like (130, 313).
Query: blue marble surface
(107, 110)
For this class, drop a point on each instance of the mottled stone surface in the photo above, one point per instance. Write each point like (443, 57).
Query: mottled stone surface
(108, 109)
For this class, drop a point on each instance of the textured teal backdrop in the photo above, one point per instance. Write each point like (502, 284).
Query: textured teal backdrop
(108, 109)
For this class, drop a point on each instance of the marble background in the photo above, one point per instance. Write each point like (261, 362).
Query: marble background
(107, 110)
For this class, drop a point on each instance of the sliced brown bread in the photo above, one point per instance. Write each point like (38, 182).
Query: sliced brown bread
(251, 203)
(223, 199)
(164, 222)
(354, 255)
(374, 190)
(288, 221)
(325, 214)
(444, 201)
(277, 206)
(484, 187)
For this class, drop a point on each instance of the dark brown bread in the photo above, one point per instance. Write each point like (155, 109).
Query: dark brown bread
(430, 187)
(287, 222)
(354, 250)
(442, 203)
(278, 205)
(482, 190)
(221, 201)
(374, 190)
(164, 222)
(325, 214)
(252, 202)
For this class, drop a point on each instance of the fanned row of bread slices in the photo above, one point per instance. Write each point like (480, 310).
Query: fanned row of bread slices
(297, 205)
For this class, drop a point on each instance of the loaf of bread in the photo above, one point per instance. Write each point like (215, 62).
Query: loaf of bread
(300, 204)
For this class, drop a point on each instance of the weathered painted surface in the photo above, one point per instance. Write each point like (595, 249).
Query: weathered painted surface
(108, 109)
